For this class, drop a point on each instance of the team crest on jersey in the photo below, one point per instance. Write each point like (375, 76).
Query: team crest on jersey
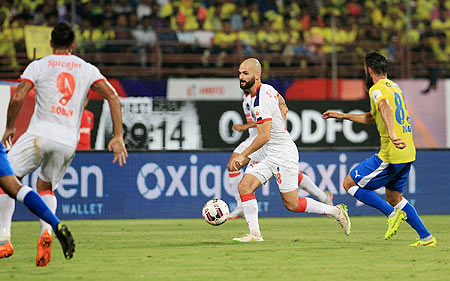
(388, 84)
(247, 106)
(376, 95)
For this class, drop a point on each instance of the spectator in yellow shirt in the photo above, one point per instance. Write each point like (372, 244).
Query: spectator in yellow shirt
(224, 42)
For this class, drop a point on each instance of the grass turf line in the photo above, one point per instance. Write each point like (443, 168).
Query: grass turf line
(313, 248)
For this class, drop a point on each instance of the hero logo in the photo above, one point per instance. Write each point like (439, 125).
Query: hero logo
(74, 183)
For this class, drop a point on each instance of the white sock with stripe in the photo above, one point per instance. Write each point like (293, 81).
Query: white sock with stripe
(50, 199)
(7, 205)
(307, 184)
(312, 206)
(234, 179)
(250, 207)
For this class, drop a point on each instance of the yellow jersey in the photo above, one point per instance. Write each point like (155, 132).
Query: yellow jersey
(388, 90)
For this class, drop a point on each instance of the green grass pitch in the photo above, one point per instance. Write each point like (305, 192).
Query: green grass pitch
(303, 248)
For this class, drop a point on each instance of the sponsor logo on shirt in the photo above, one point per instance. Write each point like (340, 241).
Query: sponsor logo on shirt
(64, 64)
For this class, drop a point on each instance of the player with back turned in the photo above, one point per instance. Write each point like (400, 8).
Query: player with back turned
(62, 82)
(390, 167)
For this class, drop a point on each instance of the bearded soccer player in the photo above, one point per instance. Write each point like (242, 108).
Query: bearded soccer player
(235, 174)
(390, 167)
(279, 158)
(62, 82)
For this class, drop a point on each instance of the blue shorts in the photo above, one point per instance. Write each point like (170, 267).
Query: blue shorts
(5, 167)
(373, 173)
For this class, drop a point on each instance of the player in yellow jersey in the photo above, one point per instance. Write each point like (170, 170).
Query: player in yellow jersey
(390, 167)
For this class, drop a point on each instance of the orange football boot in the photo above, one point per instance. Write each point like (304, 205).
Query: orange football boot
(6, 250)
(44, 249)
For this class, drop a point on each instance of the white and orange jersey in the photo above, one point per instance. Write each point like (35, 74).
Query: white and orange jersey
(61, 84)
(265, 107)
(246, 105)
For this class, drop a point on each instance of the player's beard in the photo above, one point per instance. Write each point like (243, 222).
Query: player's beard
(369, 81)
(248, 84)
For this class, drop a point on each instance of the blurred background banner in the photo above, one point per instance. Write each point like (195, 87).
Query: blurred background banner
(203, 89)
(304, 122)
(160, 124)
(37, 41)
(428, 112)
(153, 124)
(177, 184)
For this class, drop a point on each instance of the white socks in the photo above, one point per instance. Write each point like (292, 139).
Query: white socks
(49, 199)
(234, 179)
(7, 206)
(250, 207)
(307, 184)
(315, 207)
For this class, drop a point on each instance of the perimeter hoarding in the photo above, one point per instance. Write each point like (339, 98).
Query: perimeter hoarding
(177, 184)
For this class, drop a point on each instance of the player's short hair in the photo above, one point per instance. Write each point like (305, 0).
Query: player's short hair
(62, 36)
(377, 62)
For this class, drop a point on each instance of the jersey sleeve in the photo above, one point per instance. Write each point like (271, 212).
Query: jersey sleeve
(376, 95)
(96, 76)
(30, 73)
(262, 106)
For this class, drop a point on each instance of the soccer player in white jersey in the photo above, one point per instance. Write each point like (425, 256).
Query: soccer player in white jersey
(280, 158)
(61, 82)
(235, 174)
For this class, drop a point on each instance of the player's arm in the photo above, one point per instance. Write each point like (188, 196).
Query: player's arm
(283, 107)
(116, 144)
(262, 138)
(243, 127)
(363, 118)
(386, 114)
(13, 110)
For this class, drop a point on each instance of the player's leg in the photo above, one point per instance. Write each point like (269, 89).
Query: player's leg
(309, 186)
(367, 176)
(54, 165)
(394, 195)
(247, 187)
(370, 198)
(45, 241)
(364, 179)
(21, 160)
(7, 205)
(287, 184)
(235, 176)
(255, 175)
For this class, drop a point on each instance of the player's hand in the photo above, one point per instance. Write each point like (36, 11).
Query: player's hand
(237, 162)
(8, 137)
(239, 127)
(398, 142)
(117, 145)
(332, 114)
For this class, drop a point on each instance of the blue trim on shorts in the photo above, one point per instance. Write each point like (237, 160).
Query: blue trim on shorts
(5, 167)
(391, 176)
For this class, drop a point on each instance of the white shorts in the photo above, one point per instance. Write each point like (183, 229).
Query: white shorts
(30, 152)
(286, 175)
(257, 156)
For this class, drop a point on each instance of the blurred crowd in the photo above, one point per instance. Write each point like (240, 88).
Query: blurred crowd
(222, 27)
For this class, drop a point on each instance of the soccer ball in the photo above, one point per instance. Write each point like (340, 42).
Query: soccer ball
(215, 212)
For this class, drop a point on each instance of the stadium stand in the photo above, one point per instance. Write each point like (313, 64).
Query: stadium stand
(158, 39)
